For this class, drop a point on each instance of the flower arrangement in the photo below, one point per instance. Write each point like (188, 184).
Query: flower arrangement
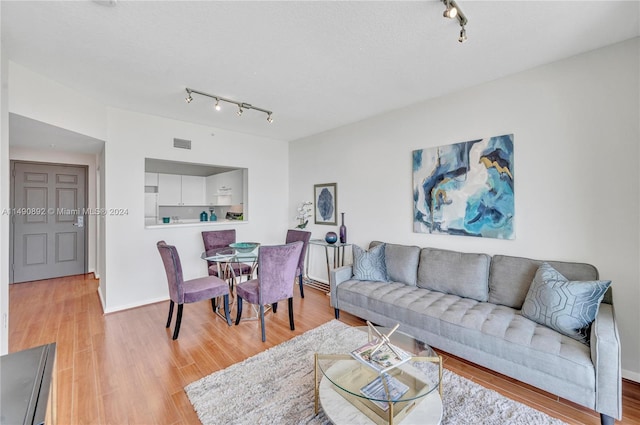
(304, 213)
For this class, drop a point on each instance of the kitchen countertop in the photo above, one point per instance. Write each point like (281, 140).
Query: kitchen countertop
(157, 224)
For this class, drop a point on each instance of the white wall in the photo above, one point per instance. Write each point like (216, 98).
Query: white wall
(576, 137)
(135, 272)
(129, 265)
(45, 100)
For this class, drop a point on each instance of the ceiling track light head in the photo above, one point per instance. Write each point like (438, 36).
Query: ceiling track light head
(188, 99)
(463, 34)
(450, 11)
(217, 105)
(269, 118)
(453, 11)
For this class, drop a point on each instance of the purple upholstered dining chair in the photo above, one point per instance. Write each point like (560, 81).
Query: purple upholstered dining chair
(304, 236)
(277, 267)
(189, 291)
(218, 239)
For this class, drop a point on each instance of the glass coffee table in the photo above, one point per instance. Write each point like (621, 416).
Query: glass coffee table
(340, 379)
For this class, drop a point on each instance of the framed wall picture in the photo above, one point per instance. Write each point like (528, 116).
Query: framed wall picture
(465, 188)
(326, 198)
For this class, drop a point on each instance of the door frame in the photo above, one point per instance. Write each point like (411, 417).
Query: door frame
(12, 163)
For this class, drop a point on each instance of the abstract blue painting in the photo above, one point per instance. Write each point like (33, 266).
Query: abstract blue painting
(465, 188)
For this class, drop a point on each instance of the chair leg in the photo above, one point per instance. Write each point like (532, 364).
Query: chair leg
(264, 336)
(337, 313)
(301, 290)
(227, 314)
(178, 321)
(239, 307)
(274, 307)
(170, 313)
(213, 304)
(293, 328)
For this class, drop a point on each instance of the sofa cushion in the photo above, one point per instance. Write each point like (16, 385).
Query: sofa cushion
(510, 277)
(401, 262)
(569, 307)
(370, 265)
(457, 273)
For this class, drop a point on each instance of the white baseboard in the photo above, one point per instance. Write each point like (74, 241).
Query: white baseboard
(317, 279)
(134, 305)
(101, 299)
(632, 376)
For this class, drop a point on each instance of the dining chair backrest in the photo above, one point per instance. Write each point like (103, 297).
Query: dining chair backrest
(173, 268)
(218, 238)
(304, 237)
(277, 265)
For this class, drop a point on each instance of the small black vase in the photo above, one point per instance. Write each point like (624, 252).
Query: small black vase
(343, 231)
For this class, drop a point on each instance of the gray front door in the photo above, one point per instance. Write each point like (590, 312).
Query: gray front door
(48, 221)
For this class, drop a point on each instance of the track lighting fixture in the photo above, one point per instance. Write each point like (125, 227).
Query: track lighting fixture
(452, 11)
(241, 105)
(463, 35)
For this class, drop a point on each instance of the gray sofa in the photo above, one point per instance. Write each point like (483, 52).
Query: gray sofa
(469, 305)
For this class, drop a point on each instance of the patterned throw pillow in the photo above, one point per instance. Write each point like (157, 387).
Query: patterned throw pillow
(566, 306)
(369, 265)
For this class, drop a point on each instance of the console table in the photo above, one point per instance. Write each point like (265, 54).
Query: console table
(338, 254)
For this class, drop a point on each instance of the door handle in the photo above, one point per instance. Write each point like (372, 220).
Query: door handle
(80, 222)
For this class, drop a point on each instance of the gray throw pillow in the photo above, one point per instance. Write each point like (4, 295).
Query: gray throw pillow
(369, 265)
(569, 307)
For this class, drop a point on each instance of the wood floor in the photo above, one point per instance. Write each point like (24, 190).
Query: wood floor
(123, 368)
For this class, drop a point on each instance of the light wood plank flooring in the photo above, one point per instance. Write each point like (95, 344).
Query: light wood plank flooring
(123, 368)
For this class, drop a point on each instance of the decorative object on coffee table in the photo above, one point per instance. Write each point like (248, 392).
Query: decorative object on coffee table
(331, 237)
(343, 230)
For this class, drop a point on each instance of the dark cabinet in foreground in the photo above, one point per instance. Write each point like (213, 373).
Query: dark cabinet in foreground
(26, 383)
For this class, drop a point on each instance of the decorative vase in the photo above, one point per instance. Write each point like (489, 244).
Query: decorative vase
(331, 237)
(343, 231)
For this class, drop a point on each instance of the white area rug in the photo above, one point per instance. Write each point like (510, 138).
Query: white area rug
(276, 387)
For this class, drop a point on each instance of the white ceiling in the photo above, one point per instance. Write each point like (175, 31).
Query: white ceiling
(317, 64)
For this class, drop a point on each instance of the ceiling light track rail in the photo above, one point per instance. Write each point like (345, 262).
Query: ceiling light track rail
(241, 105)
(453, 11)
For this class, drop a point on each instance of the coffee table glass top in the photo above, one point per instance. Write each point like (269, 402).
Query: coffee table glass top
(416, 378)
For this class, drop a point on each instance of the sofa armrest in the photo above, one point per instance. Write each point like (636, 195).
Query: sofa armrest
(605, 354)
(336, 277)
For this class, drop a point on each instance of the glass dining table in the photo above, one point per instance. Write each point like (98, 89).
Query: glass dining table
(232, 265)
(231, 262)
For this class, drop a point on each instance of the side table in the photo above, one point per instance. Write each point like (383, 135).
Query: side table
(338, 253)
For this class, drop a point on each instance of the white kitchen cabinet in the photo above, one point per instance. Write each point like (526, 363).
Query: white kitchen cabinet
(174, 189)
(193, 190)
(217, 183)
(169, 189)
